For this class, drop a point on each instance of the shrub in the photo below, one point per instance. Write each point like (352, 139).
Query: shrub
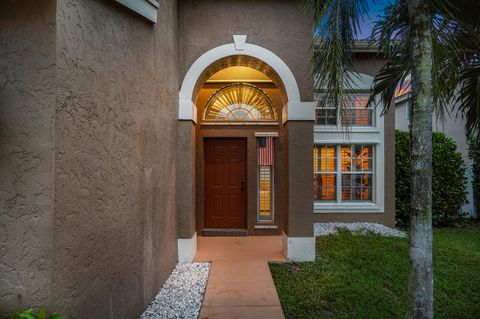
(449, 183)
(30, 314)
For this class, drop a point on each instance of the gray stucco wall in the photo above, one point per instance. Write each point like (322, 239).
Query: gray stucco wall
(27, 107)
(115, 177)
(89, 102)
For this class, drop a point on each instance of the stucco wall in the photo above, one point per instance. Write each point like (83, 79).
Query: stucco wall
(27, 106)
(186, 179)
(284, 30)
(300, 176)
(451, 125)
(115, 177)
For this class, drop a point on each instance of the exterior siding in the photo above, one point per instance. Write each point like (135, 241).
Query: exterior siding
(27, 110)
(116, 134)
(89, 104)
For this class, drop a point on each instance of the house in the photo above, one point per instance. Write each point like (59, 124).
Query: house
(451, 125)
(130, 127)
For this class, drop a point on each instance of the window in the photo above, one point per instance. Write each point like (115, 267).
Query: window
(356, 111)
(239, 102)
(325, 112)
(343, 173)
(325, 172)
(265, 192)
(265, 161)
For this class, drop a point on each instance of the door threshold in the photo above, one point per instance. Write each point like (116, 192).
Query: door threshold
(213, 232)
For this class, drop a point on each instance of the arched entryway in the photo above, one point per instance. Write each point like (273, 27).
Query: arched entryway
(234, 105)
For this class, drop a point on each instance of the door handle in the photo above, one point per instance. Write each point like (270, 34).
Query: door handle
(242, 186)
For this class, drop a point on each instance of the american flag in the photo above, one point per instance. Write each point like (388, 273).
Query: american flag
(266, 151)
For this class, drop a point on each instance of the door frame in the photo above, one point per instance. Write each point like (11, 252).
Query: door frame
(245, 141)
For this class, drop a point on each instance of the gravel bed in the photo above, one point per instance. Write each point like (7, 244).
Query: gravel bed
(324, 229)
(182, 294)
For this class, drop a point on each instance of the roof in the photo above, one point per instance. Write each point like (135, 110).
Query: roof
(364, 46)
(361, 46)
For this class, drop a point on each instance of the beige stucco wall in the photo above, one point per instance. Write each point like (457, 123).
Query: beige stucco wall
(186, 179)
(300, 179)
(89, 103)
(115, 177)
(27, 109)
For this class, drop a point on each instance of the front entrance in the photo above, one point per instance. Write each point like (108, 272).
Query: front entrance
(225, 183)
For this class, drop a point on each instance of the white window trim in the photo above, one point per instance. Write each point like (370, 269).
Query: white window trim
(146, 8)
(357, 135)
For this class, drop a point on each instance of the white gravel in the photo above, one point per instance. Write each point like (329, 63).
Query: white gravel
(324, 229)
(182, 294)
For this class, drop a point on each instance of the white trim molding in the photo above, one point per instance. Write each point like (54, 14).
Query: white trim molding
(298, 248)
(187, 248)
(299, 111)
(266, 134)
(252, 50)
(360, 82)
(187, 111)
(239, 41)
(146, 8)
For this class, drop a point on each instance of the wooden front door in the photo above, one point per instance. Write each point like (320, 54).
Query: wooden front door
(225, 183)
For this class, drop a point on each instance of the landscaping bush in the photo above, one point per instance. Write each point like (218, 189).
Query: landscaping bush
(449, 183)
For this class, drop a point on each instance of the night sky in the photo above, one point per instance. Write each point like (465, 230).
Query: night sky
(375, 9)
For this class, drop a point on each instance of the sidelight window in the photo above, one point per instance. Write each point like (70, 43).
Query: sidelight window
(265, 160)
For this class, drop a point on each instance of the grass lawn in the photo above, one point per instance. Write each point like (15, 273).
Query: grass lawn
(367, 277)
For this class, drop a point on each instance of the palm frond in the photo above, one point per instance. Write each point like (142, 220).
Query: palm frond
(457, 61)
(392, 35)
(336, 23)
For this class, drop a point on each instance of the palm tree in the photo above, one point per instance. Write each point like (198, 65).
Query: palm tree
(437, 43)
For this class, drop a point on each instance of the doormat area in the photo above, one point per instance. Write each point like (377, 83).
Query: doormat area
(182, 294)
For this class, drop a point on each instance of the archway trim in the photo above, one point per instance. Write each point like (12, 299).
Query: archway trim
(187, 109)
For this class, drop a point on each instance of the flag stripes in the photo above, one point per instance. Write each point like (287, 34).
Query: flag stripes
(266, 152)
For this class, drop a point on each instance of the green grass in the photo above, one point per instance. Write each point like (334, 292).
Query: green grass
(367, 277)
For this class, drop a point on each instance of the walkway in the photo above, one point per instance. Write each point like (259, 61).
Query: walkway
(240, 284)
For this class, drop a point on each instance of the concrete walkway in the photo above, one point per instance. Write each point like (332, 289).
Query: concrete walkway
(240, 284)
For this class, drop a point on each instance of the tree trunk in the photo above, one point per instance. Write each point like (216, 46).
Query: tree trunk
(421, 267)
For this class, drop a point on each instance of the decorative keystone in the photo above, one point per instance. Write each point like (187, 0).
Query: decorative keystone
(239, 41)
